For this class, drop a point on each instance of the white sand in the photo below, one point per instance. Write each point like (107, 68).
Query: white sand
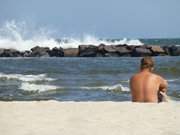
(89, 118)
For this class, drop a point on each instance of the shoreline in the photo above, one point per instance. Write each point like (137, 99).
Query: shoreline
(87, 118)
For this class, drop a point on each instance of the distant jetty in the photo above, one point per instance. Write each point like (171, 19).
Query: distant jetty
(95, 51)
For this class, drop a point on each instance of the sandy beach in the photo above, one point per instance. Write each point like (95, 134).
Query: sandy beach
(89, 118)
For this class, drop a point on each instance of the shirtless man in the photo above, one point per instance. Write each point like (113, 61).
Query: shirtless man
(145, 85)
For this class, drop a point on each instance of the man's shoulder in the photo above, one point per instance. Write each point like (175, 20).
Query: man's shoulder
(156, 75)
(134, 76)
(137, 75)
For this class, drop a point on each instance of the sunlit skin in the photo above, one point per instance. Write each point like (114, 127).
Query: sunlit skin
(145, 86)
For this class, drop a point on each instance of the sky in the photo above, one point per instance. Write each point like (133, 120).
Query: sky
(101, 18)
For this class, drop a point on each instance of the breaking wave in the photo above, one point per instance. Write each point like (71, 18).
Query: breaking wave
(37, 87)
(26, 78)
(117, 87)
(28, 82)
(18, 36)
(173, 80)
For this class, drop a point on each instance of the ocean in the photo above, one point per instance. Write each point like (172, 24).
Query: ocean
(76, 79)
(79, 79)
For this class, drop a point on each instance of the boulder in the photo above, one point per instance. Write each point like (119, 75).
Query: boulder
(174, 50)
(101, 52)
(166, 49)
(1, 51)
(131, 47)
(101, 48)
(56, 52)
(157, 50)
(88, 51)
(123, 50)
(117, 50)
(39, 52)
(107, 51)
(141, 51)
(10, 53)
(26, 53)
(110, 49)
(71, 52)
(111, 54)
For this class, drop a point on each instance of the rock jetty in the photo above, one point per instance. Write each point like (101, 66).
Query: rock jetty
(95, 51)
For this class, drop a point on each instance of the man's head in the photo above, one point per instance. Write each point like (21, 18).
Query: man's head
(147, 63)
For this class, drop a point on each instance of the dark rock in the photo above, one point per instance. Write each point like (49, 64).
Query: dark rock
(174, 50)
(10, 53)
(131, 47)
(107, 51)
(95, 51)
(111, 54)
(40, 52)
(123, 50)
(71, 52)
(88, 50)
(141, 51)
(56, 52)
(114, 50)
(117, 50)
(166, 49)
(1, 51)
(26, 54)
(101, 47)
(110, 49)
(101, 52)
(37, 48)
(157, 50)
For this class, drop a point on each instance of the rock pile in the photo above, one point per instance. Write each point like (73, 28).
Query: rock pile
(95, 51)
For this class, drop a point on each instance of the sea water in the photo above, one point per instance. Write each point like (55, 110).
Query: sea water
(75, 79)
(78, 79)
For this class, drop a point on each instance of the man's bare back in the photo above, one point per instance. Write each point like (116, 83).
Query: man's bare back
(145, 86)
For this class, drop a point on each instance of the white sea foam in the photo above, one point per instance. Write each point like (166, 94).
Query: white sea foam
(14, 35)
(28, 81)
(117, 87)
(173, 80)
(37, 87)
(74, 43)
(26, 78)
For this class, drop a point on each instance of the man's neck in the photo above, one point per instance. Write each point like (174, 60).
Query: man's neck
(146, 70)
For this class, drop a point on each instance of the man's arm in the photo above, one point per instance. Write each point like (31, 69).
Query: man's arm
(162, 90)
(131, 88)
(163, 84)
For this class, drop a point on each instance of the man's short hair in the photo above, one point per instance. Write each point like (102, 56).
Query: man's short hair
(147, 62)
